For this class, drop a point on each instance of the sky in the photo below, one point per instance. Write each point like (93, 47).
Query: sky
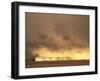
(57, 30)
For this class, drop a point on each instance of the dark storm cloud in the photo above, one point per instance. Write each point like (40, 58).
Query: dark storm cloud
(57, 30)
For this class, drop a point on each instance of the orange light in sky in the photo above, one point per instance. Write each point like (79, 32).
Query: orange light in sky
(45, 54)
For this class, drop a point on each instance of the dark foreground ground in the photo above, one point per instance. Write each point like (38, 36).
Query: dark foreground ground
(57, 63)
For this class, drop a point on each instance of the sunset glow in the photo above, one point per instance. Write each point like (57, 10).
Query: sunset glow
(45, 54)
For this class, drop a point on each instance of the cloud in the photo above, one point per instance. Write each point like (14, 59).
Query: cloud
(57, 31)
